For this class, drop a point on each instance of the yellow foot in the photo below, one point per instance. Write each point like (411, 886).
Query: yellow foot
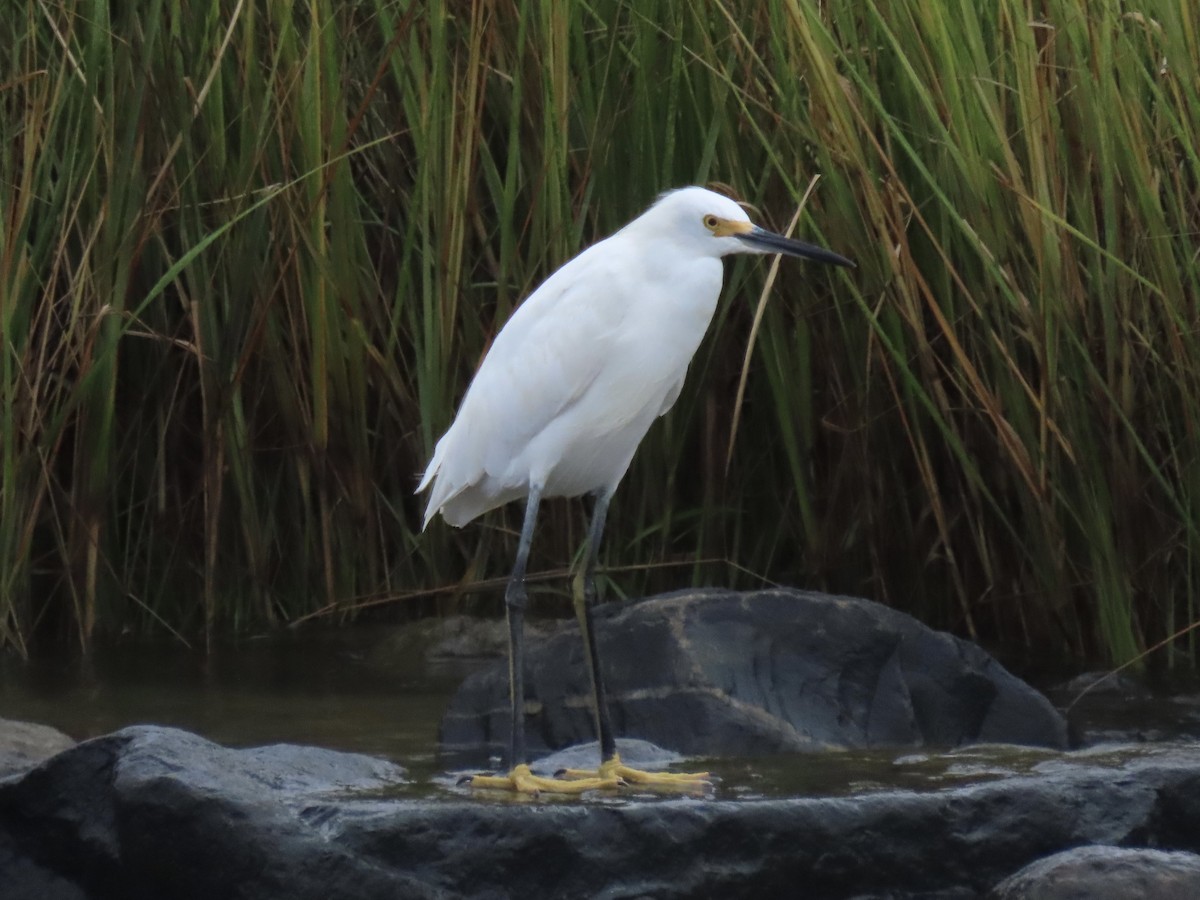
(523, 781)
(614, 769)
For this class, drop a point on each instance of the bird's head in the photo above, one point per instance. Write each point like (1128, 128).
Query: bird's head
(710, 224)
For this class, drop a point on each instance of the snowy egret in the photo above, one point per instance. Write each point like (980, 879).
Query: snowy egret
(566, 393)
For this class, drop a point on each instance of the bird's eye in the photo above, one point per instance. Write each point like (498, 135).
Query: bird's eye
(711, 222)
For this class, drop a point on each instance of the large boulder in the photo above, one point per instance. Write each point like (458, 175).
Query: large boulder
(1105, 873)
(153, 812)
(715, 673)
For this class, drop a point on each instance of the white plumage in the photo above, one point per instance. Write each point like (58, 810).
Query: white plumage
(579, 373)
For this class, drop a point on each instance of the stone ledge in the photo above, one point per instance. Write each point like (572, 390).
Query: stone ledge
(153, 812)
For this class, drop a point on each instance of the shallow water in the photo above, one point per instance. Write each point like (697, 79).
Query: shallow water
(317, 688)
(329, 688)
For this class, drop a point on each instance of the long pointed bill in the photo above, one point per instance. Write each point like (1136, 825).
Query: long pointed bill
(769, 242)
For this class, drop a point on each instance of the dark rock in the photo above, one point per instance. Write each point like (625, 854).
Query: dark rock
(717, 673)
(25, 744)
(450, 643)
(156, 812)
(1104, 710)
(1104, 683)
(151, 813)
(1105, 873)
(22, 879)
(1173, 822)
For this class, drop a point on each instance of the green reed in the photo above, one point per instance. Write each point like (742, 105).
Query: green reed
(252, 251)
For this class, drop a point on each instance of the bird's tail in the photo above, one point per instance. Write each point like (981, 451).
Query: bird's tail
(430, 479)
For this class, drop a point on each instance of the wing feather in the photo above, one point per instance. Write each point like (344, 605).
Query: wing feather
(575, 378)
(544, 359)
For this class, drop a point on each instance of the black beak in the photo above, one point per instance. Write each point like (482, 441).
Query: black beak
(769, 242)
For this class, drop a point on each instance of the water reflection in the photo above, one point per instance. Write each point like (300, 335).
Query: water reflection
(351, 689)
(321, 688)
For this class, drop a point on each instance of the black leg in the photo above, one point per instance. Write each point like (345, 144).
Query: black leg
(584, 600)
(612, 771)
(514, 606)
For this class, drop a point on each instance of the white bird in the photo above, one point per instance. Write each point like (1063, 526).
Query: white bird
(569, 388)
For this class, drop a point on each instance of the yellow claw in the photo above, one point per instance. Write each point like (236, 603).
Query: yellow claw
(522, 780)
(614, 769)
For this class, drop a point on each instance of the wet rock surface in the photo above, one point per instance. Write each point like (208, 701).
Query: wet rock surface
(154, 812)
(719, 673)
(159, 812)
(1105, 873)
(25, 744)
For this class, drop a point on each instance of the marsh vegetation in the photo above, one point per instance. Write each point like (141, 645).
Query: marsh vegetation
(251, 252)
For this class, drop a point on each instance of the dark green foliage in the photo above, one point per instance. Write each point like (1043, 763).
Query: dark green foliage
(251, 253)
